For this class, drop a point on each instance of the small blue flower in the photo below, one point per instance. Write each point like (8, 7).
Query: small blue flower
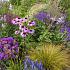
(40, 66)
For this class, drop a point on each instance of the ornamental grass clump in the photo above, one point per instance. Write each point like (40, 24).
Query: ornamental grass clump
(52, 56)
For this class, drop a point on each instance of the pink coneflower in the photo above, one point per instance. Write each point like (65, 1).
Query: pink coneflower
(23, 34)
(14, 22)
(24, 20)
(25, 29)
(31, 31)
(17, 32)
(21, 27)
(32, 23)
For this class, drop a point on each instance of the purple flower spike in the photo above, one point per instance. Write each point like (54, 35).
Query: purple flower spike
(36, 63)
(40, 66)
(32, 65)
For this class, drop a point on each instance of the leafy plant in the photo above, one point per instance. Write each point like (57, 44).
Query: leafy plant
(51, 56)
(54, 37)
(8, 30)
(15, 2)
(15, 66)
(68, 14)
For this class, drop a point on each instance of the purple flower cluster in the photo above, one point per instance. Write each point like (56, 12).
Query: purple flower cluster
(29, 64)
(24, 30)
(43, 16)
(8, 48)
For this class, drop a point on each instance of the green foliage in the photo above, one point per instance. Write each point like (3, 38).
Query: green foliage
(34, 10)
(26, 5)
(45, 33)
(15, 66)
(51, 56)
(2, 65)
(16, 10)
(15, 2)
(54, 37)
(4, 7)
(68, 14)
(65, 4)
(8, 30)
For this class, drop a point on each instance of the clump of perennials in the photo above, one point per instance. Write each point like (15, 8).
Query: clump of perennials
(60, 21)
(26, 29)
(8, 48)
